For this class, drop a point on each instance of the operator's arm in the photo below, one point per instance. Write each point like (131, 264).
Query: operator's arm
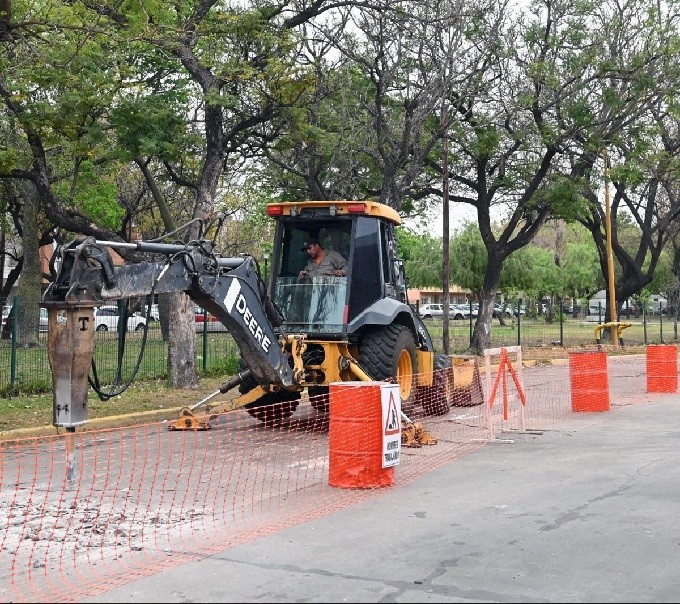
(309, 267)
(338, 262)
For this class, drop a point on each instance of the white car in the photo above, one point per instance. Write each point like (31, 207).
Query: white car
(154, 313)
(6, 310)
(427, 311)
(106, 319)
(459, 311)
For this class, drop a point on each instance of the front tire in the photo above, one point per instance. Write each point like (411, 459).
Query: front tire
(389, 353)
(274, 407)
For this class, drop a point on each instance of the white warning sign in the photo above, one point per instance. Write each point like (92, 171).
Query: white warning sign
(391, 421)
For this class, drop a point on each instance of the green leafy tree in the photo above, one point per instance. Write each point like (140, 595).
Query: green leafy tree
(422, 258)
(553, 82)
(80, 70)
(580, 276)
(469, 267)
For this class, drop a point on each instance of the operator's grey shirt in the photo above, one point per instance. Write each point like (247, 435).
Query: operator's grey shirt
(332, 261)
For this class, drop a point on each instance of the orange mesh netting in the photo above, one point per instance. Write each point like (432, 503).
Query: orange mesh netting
(83, 512)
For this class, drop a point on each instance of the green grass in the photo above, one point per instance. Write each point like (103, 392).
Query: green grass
(536, 332)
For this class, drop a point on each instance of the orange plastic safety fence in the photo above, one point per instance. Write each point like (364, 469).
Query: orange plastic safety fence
(83, 512)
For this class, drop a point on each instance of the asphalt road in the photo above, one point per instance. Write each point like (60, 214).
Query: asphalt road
(588, 511)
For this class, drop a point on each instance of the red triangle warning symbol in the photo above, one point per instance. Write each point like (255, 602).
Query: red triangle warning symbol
(392, 425)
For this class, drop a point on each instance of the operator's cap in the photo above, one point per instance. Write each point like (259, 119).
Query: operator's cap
(306, 244)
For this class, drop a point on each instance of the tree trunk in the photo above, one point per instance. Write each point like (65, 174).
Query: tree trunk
(182, 344)
(481, 333)
(30, 284)
(164, 315)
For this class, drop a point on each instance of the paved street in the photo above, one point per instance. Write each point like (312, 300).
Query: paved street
(588, 511)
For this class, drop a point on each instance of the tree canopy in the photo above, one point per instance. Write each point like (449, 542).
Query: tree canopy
(157, 117)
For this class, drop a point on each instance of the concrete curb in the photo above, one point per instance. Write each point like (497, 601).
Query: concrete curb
(97, 423)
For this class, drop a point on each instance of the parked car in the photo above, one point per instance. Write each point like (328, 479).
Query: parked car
(572, 308)
(6, 311)
(106, 319)
(656, 305)
(459, 311)
(213, 324)
(501, 310)
(428, 311)
(154, 314)
(5, 325)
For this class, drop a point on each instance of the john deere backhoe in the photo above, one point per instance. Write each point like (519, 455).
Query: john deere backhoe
(293, 334)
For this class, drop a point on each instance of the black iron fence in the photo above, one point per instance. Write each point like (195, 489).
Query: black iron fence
(117, 359)
(559, 325)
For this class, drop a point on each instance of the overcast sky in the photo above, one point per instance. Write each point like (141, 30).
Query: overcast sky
(459, 213)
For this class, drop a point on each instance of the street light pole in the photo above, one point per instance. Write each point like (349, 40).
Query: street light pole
(446, 286)
(610, 255)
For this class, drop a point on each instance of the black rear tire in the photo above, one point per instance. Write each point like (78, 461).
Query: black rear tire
(389, 353)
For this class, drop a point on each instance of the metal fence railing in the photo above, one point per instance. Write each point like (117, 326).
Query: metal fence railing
(27, 371)
(116, 359)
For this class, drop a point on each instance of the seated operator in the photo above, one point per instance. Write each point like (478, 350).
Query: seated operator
(322, 262)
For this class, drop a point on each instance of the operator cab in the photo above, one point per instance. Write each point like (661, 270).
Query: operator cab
(325, 305)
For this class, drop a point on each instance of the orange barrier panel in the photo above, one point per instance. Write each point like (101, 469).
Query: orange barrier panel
(589, 381)
(662, 368)
(355, 437)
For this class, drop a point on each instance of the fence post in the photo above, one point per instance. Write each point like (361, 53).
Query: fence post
(561, 322)
(519, 322)
(205, 340)
(599, 312)
(644, 322)
(470, 318)
(660, 323)
(121, 331)
(13, 342)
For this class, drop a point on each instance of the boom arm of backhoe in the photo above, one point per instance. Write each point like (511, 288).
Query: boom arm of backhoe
(84, 276)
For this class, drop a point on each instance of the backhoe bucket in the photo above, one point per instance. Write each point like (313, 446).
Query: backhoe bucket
(467, 382)
(188, 421)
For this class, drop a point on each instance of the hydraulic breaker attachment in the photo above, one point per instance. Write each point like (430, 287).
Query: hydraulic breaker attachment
(70, 348)
(187, 420)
